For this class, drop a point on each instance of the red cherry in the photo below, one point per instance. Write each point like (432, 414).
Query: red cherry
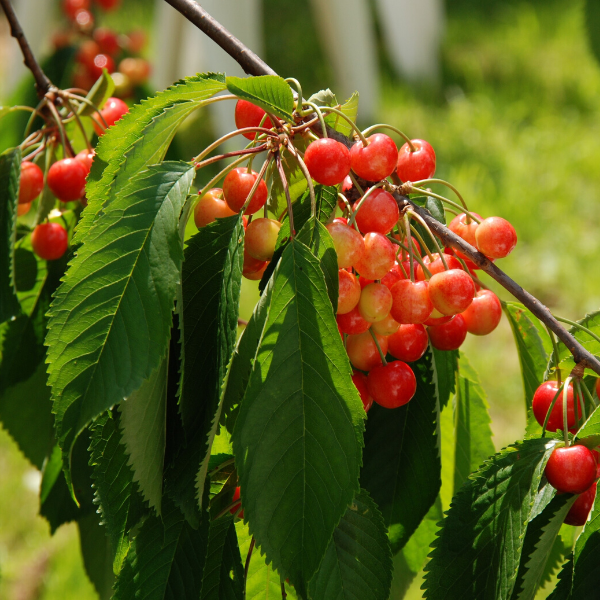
(236, 496)
(408, 343)
(392, 385)
(571, 470)
(410, 301)
(450, 335)
(417, 165)
(136, 40)
(88, 50)
(261, 238)
(484, 313)
(349, 244)
(465, 230)
(375, 161)
(137, 70)
(347, 185)
(352, 322)
(237, 185)
(23, 209)
(541, 403)
(66, 179)
(71, 7)
(252, 265)
(31, 182)
(360, 382)
(250, 115)
(436, 319)
(211, 206)
(107, 40)
(451, 291)
(580, 509)
(113, 110)
(341, 220)
(349, 292)
(257, 275)
(496, 237)
(108, 4)
(436, 265)
(101, 61)
(362, 351)
(375, 302)
(86, 159)
(84, 20)
(49, 241)
(387, 326)
(378, 212)
(327, 161)
(379, 256)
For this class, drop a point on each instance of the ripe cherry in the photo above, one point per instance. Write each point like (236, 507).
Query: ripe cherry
(450, 335)
(349, 292)
(580, 509)
(234, 509)
(375, 161)
(437, 318)
(363, 352)
(417, 165)
(23, 209)
(352, 322)
(257, 275)
(137, 70)
(71, 7)
(378, 212)
(571, 470)
(66, 179)
(484, 313)
(542, 399)
(349, 244)
(86, 159)
(108, 4)
(387, 326)
(495, 237)
(463, 226)
(237, 185)
(31, 182)
(394, 275)
(379, 256)
(436, 265)
(409, 343)
(136, 40)
(101, 62)
(84, 21)
(211, 206)
(49, 241)
(107, 40)
(327, 161)
(252, 265)
(113, 110)
(375, 302)
(250, 115)
(410, 301)
(392, 385)
(360, 382)
(451, 291)
(261, 237)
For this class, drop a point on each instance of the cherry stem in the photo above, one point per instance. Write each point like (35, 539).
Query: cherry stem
(79, 123)
(311, 188)
(298, 89)
(448, 185)
(247, 565)
(225, 463)
(556, 354)
(550, 408)
(286, 189)
(257, 182)
(410, 247)
(356, 184)
(589, 395)
(564, 407)
(417, 258)
(580, 401)
(228, 136)
(89, 103)
(378, 347)
(392, 128)
(414, 215)
(319, 114)
(422, 242)
(245, 151)
(414, 190)
(283, 592)
(578, 326)
(61, 130)
(352, 124)
(360, 202)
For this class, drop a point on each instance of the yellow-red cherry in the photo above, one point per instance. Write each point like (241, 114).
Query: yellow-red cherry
(418, 164)
(327, 161)
(362, 350)
(378, 212)
(379, 256)
(375, 161)
(375, 302)
(352, 322)
(360, 383)
(483, 314)
(409, 343)
(410, 301)
(349, 244)
(450, 335)
(210, 207)
(495, 237)
(261, 238)
(237, 186)
(349, 292)
(451, 291)
(392, 385)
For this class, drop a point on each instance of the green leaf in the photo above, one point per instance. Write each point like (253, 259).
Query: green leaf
(10, 172)
(592, 21)
(143, 431)
(141, 138)
(358, 561)
(300, 424)
(350, 109)
(110, 319)
(472, 424)
(97, 554)
(295, 178)
(436, 209)
(445, 366)
(478, 550)
(270, 92)
(401, 464)
(101, 91)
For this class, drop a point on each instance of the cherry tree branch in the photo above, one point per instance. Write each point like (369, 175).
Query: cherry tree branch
(42, 83)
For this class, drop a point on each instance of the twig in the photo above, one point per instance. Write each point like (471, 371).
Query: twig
(286, 188)
(247, 565)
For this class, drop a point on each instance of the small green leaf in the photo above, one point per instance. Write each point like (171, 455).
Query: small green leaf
(350, 109)
(270, 92)
(445, 366)
(101, 91)
(295, 178)
(324, 98)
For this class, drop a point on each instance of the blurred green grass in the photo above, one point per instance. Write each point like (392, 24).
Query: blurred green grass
(515, 124)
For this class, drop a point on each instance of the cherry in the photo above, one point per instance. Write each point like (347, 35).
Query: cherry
(349, 292)
(495, 237)
(451, 291)
(71, 7)
(137, 70)
(23, 209)
(257, 275)
(411, 302)
(252, 265)
(363, 352)
(352, 322)
(31, 182)
(349, 244)
(66, 179)
(437, 318)
(327, 161)
(236, 496)
(375, 161)
(392, 385)
(580, 509)
(379, 256)
(484, 313)
(387, 326)
(86, 159)
(347, 185)
(464, 227)
(360, 383)
(250, 115)
(341, 220)
(101, 62)
(107, 40)
(450, 335)
(261, 237)
(108, 4)
(378, 212)
(136, 40)
(375, 302)
(542, 398)
(436, 265)
(49, 241)
(88, 50)
(84, 20)
(113, 110)
(409, 343)
(571, 470)
(237, 186)
(211, 206)
(394, 275)
(417, 165)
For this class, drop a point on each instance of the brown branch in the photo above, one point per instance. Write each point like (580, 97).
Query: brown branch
(42, 83)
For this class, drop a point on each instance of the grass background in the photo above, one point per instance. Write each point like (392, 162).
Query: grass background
(515, 123)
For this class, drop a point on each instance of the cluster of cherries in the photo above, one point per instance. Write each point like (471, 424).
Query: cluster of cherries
(101, 48)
